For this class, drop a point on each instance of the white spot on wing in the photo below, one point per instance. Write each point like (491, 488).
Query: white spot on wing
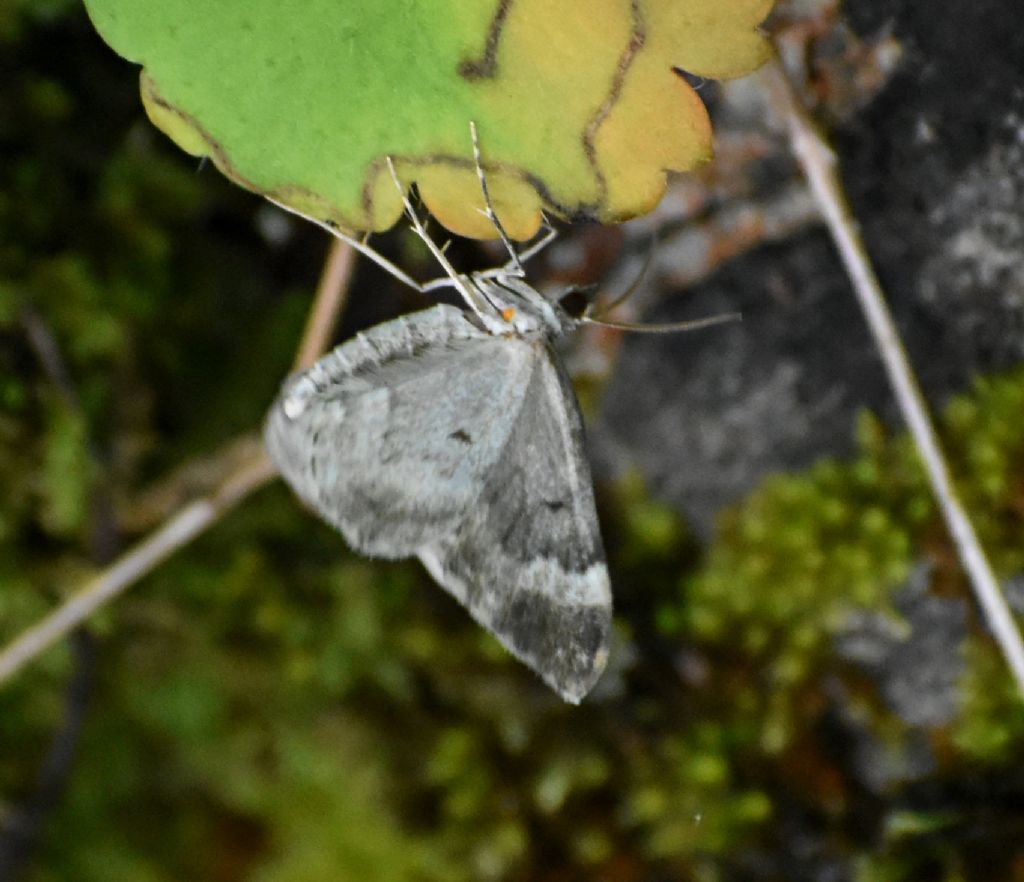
(298, 397)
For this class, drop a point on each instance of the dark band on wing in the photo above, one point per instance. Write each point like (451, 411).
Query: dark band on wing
(538, 500)
(565, 643)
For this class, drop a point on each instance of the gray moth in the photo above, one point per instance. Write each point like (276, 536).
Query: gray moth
(441, 437)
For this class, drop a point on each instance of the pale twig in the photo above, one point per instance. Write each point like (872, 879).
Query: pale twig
(195, 478)
(330, 299)
(194, 518)
(819, 166)
(137, 562)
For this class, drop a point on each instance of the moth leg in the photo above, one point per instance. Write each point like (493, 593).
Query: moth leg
(514, 266)
(485, 310)
(547, 237)
(360, 245)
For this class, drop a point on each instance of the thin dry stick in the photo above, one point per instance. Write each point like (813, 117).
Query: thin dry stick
(139, 560)
(197, 516)
(819, 165)
(327, 306)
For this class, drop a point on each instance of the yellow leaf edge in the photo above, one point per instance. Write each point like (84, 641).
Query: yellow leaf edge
(450, 187)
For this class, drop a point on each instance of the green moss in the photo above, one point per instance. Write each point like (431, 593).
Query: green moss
(804, 552)
(685, 800)
(990, 726)
(356, 836)
(66, 473)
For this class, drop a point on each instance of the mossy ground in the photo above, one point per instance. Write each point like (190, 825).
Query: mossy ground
(267, 706)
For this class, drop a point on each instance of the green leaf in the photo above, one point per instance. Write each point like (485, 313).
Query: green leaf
(579, 108)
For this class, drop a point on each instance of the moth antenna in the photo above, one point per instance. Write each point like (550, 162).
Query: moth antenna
(668, 327)
(514, 263)
(631, 290)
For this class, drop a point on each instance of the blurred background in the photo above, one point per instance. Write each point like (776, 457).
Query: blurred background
(801, 687)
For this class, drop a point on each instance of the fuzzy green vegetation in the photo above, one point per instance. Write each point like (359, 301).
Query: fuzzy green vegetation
(804, 553)
(579, 110)
(787, 598)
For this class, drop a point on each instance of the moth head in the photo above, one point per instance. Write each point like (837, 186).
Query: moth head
(522, 307)
(577, 301)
